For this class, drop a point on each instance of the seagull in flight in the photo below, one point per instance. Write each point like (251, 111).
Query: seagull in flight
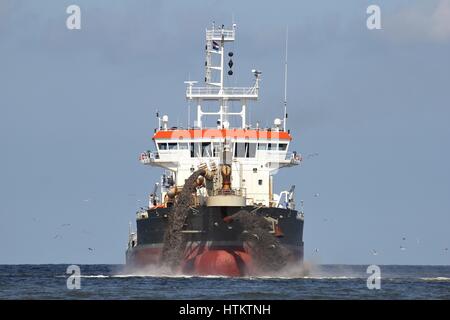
(374, 252)
(90, 249)
(402, 248)
(312, 155)
(84, 231)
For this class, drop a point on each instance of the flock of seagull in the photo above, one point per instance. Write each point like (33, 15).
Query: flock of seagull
(374, 252)
(67, 225)
(315, 250)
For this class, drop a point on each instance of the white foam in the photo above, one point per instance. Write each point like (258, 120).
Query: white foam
(100, 276)
(436, 279)
(330, 277)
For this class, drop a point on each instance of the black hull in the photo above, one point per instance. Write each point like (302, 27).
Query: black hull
(218, 242)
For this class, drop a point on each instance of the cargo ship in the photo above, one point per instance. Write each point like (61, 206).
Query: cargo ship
(234, 163)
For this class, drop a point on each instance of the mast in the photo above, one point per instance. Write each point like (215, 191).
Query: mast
(285, 80)
(216, 38)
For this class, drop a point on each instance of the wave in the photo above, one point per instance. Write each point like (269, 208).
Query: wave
(436, 279)
(181, 276)
(330, 277)
(262, 277)
(100, 276)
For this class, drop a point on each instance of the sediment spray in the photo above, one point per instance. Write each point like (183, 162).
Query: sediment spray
(266, 250)
(174, 240)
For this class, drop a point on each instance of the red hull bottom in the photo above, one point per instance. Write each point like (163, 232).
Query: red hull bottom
(223, 262)
(232, 262)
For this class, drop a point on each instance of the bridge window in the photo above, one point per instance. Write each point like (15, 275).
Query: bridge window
(282, 146)
(173, 146)
(206, 149)
(195, 150)
(217, 149)
(251, 150)
(162, 146)
(183, 146)
(245, 150)
(262, 146)
(239, 150)
(272, 146)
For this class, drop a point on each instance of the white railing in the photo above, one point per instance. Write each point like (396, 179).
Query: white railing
(237, 192)
(216, 34)
(148, 157)
(228, 91)
(294, 157)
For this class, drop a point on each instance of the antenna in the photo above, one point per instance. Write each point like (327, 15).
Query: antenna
(189, 106)
(159, 119)
(285, 80)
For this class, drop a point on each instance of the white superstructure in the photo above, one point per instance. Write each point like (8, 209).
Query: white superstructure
(255, 153)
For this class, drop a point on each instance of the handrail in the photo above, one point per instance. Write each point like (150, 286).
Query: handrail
(224, 91)
(217, 34)
(294, 157)
(249, 128)
(148, 156)
(237, 192)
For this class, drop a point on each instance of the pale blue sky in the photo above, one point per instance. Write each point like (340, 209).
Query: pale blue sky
(77, 107)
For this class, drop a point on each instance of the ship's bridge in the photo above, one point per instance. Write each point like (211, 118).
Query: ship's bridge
(183, 146)
(256, 155)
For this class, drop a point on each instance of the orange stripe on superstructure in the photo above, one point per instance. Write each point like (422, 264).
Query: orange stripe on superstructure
(222, 133)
